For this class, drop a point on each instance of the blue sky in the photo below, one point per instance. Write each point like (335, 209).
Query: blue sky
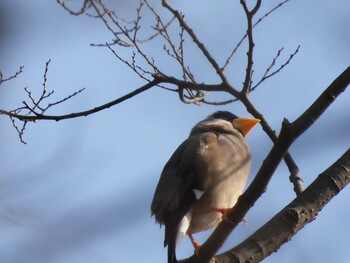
(80, 190)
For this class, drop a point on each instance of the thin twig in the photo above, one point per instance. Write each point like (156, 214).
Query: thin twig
(249, 68)
(174, 52)
(63, 100)
(84, 8)
(195, 39)
(229, 58)
(267, 73)
(2, 79)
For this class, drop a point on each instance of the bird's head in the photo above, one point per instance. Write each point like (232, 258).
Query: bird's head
(242, 124)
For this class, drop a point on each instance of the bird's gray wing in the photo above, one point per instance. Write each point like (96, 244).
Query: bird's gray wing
(174, 194)
(173, 191)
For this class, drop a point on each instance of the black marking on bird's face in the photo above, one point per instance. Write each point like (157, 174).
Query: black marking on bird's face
(224, 115)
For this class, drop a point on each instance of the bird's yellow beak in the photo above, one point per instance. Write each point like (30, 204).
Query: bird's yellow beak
(245, 124)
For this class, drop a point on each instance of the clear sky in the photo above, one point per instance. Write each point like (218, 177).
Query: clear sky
(80, 190)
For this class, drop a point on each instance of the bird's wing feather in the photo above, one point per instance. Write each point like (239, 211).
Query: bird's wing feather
(176, 180)
(174, 197)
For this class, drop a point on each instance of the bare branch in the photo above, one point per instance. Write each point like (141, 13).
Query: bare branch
(173, 52)
(176, 52)
(249, 68)
(195, 39)
(193, 86)
(195, 99)
(62, 100)
(84, 8)
(270, 12)
(2, 79)
(20, 131)
(229, 58)
(256, 7)
(269, 74)
(126, 33)
(38, 116)
(139, 41)
(132, 65)
(157, 33)
(219, 103)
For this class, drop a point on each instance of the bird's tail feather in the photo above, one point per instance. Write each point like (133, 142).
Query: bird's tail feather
(171, 255)
(170, 241)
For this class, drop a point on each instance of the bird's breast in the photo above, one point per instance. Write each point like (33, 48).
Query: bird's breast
(222, 169)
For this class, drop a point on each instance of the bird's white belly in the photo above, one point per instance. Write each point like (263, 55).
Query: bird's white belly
(203, 214)
(204, 221)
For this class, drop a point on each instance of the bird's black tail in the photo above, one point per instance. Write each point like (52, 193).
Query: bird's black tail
(171, 255)
(170, 241)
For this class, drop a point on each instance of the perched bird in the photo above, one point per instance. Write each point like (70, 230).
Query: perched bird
(203, 178)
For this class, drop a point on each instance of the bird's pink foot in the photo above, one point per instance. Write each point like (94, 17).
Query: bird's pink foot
(195, 243)
(197, 246)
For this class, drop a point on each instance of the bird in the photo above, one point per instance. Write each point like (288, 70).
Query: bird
(203, 178)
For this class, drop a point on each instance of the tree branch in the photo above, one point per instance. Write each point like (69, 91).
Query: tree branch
(2, 79)
(84, 8)
(257, 6)
(249, 69)
(269, 74)
(38, 116)
(195, 39)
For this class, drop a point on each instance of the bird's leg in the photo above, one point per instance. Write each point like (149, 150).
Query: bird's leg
(195, 243)
(197, 246)
(224, 212)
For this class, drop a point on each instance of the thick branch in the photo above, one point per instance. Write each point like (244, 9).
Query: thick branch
(301, 211)
(289, 132)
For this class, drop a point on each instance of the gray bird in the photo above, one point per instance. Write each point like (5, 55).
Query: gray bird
(203, 178)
